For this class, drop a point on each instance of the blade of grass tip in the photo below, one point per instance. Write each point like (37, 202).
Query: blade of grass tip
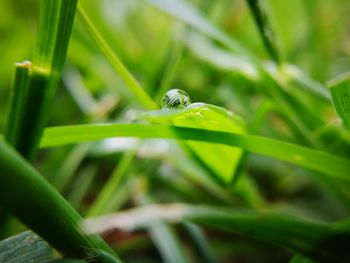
(260, 15)
(329, 164)
(313, 239)
(28, 196)
(340, 91)
(140, 94)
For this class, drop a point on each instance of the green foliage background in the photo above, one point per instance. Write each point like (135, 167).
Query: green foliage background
(194, 48)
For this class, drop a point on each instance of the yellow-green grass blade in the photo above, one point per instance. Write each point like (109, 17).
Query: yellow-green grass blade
(210, 117)
(329, 164)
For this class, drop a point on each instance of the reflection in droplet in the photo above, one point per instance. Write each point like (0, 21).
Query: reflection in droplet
(175, 99)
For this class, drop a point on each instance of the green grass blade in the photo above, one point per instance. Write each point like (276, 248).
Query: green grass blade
(29, 197)
(14, 120)
(212, 156)
(267, 34)
(125, 75)
(320, 161)
(55, 25)
(48, 21)
(39, 97)
(17, 100)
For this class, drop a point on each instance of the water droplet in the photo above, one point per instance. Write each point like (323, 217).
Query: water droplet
(175, 99)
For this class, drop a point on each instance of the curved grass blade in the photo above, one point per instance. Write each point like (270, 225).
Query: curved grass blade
(206, 116)
(329, 164)
(29, 197)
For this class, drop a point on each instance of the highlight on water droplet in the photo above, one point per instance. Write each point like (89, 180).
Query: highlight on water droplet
(175, 99)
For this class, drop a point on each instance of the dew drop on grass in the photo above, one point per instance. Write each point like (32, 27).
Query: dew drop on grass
(175, 99)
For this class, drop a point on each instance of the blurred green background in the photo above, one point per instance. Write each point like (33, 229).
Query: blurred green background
(162, 52)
